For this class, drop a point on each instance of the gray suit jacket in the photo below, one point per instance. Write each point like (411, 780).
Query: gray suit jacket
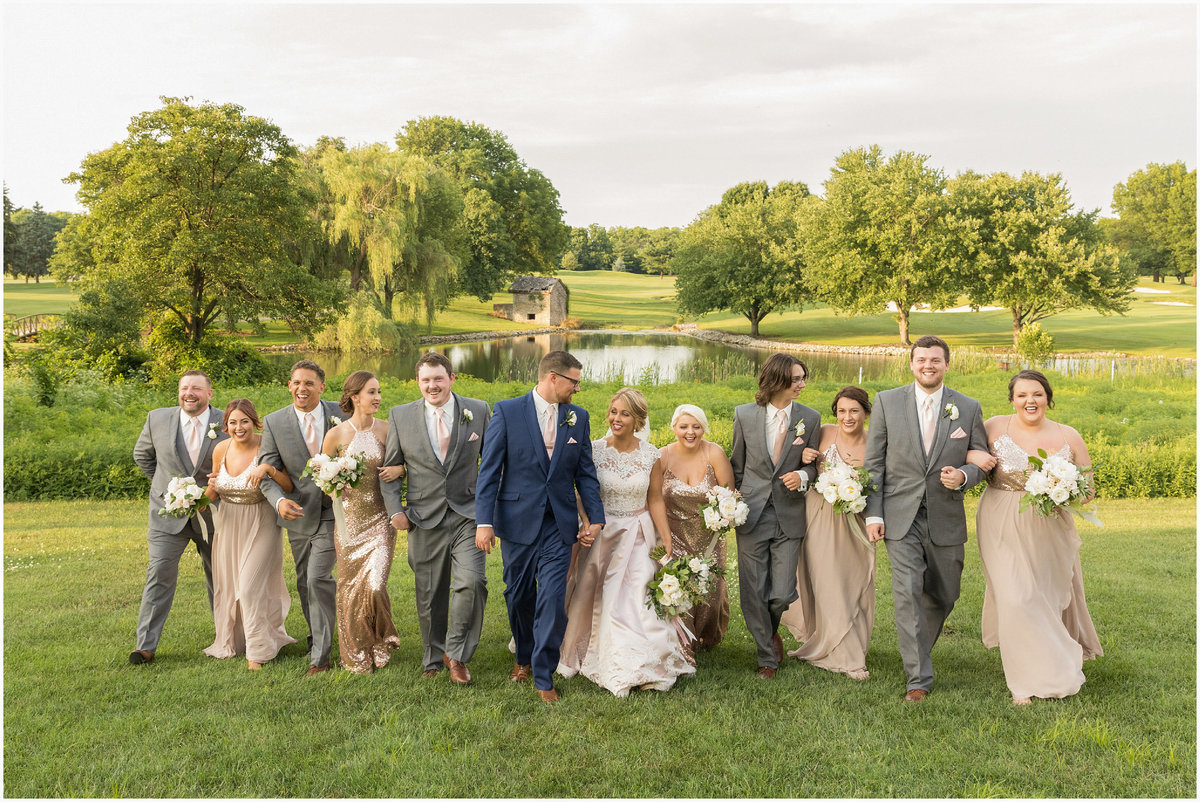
(162, 454)
(758, 479)
(284, 448)
(903, 475)
(433, 487)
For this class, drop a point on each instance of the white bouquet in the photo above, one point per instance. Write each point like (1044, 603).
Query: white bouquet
(846, 487)
(1053, 483)
(183, 499)
(334, 474)
(680, 584)
(724, 511)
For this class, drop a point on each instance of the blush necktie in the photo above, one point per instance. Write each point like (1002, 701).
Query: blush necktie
(310, 434)
(443, 435)
(548, 429)
(193, 442)
(781, 418)
(927, 425)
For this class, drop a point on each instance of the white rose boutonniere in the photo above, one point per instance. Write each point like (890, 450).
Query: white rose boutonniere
(951, 412)
(799, 428)
(570, 420)
(335, 420)
(467, 417)
(212, 431)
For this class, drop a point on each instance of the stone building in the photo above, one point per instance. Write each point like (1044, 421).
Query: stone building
(537, 299)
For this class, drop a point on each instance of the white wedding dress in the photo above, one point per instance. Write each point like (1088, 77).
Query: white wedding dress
(612, 637)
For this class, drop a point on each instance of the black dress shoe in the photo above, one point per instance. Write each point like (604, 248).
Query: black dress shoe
(140, 657)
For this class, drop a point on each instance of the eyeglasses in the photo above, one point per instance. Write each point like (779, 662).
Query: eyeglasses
(799, 380)
(568, 378)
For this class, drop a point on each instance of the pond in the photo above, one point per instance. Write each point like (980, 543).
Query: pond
(660, 357)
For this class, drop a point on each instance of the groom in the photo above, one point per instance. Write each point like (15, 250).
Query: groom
(917, 448)
(290, 437)
(537, 453)
(176, 441)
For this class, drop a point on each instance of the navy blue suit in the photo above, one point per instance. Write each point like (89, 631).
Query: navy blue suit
(529, 500)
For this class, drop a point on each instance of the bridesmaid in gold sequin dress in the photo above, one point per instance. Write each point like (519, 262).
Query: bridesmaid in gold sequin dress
(364, 538)
(250, 600)
(1034, 607)
(684, 474)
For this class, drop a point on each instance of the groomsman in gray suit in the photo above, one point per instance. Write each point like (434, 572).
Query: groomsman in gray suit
(176, 441)
(917, 448)
(291, 436)
(769, 437)
(438, 438)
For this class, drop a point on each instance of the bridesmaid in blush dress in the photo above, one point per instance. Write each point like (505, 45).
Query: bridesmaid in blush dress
(364, 538)
(613, 638)
(1034, 607)
(250, 601)
(835, 577)
(679, 485)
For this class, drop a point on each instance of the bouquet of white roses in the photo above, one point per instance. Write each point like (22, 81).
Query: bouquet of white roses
(846, 487)
(183, 499)
(334, 474)
(680, 584)
(1053, 483)
(724, 511)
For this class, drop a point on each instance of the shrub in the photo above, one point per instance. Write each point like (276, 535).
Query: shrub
(1034, 344)
(226, 361)
(364, 329)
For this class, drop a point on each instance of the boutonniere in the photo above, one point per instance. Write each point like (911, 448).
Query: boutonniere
(799, 428)
(570, 419)
(212, 431)
(335, 420)
(951, 412)
(467, 417)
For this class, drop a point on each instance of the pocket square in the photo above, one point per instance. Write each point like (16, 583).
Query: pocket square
(958, 434)
(472, 437)
(571, 440)
(798, 441)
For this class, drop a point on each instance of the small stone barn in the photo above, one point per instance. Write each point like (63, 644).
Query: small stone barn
(537, 299)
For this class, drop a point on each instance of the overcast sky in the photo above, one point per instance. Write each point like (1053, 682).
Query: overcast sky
(639, 114)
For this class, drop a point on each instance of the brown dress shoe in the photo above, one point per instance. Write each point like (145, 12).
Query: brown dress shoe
(549, 697)
(766, 672)
(777, 642)
(458, 671)
(429, 673)
(314, 670)
(521, 673)
(140, 657)
(916, 695)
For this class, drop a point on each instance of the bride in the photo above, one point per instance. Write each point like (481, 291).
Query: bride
(612, 637)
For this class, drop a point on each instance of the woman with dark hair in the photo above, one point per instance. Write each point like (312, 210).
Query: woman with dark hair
(1034, 607)
(250, 601)
(364, 538)
(835, 611)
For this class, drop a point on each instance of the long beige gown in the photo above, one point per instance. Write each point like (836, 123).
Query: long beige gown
(707, 621)
(1033, 604)
(250, 600)
(365, 545)
(835, 612)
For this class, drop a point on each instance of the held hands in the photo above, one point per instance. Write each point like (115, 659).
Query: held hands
(588, 536)
(484, 535)
(952, 478)
(791, 479)
(809, 455)
(390, 473)
(981, 459)
(875, 532)
(290, 510)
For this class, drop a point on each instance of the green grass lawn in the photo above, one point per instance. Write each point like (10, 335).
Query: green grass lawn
(45, 298)
(79, 721)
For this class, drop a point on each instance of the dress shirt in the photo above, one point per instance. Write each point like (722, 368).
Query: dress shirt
(185, 424)
(540, 405)
(772, 431)
(431, 413)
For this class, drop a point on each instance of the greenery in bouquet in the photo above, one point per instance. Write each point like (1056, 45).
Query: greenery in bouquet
(680, 583)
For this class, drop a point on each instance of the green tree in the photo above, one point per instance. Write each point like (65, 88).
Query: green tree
(512, 221)
(1156, 208)
(10, 236)
(1032, 252)
(880, 236)
(195, 208)
(36, 230)
(735, 255)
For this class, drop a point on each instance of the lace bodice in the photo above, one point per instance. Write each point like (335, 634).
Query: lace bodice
(236, 489)
(624, 478)
(1012, 462)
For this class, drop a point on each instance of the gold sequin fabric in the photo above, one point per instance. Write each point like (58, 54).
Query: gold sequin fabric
(365, 547)
(237, 489)
(1012, 462)
(707, 621)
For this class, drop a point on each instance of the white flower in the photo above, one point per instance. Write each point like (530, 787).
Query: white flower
(328, 470)
(830, 493)
(727, 507)
(212, 431)
(712, 518)
(467, 417)
(847, 491)
(858, 505)
(1037, 483)
(671, 590)
(1059, 494)
(742, 514)
(699, 567)
(799, 428)
(951, 411)
(347, 463)
(335, 419)
(570, 420)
